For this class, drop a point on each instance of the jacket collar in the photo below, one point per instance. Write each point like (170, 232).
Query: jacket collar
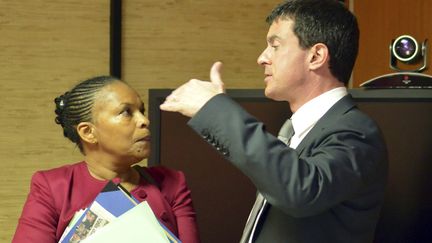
(342, 106)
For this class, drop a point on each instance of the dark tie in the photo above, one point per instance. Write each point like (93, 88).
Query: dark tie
(285, 134)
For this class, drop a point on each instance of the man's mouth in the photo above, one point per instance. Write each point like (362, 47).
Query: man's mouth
(267, 77)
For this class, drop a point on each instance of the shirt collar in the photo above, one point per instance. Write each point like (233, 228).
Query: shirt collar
(309, 113)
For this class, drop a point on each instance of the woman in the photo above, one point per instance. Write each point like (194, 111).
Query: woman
(105, 118)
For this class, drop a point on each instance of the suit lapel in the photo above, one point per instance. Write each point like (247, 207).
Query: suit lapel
(345, 104)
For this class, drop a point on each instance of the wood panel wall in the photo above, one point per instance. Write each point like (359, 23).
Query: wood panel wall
(168, 42)
(46, 47)
(384, 20)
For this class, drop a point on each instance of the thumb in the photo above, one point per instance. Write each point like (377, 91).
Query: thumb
(215, 74)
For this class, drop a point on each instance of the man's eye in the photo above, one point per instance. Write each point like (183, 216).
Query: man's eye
(126, 112)
(274, 47)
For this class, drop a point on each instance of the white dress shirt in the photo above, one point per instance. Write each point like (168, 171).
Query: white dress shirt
(303, 120)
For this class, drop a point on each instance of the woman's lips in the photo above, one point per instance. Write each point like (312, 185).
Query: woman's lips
(144, 139)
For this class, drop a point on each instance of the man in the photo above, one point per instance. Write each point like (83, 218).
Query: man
(328, 184)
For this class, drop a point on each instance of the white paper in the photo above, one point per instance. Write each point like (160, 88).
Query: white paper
(139, 224)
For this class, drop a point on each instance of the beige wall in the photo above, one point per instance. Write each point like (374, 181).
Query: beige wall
(46, 46)
(168, 42)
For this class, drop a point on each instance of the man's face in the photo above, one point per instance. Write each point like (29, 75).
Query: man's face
(285, 62)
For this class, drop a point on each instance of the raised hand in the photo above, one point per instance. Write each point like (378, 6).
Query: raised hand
(189, 98)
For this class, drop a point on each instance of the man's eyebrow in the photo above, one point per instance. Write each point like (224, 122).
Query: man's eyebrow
(125, 104)
(272, 38)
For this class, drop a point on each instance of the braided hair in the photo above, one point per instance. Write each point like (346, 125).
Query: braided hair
(76, 105)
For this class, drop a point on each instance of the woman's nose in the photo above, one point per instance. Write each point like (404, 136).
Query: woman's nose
(143, 121)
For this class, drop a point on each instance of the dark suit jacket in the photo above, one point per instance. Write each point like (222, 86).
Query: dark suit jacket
(329, 189)
(57, 194)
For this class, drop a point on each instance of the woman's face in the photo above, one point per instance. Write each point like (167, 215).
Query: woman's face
(121, 128)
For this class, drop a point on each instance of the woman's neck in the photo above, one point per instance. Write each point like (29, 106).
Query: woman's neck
(128, 177)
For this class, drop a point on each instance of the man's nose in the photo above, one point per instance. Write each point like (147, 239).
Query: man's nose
(264, 59)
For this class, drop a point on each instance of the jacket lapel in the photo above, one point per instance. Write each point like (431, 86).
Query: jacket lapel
(339, 108)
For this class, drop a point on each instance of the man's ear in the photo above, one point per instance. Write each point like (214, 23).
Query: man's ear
(319, 56)
(86, 131)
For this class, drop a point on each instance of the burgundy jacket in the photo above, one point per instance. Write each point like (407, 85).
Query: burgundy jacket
(57, 194)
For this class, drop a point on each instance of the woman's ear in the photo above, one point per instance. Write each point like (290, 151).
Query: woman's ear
(86, 131)
(319, 55)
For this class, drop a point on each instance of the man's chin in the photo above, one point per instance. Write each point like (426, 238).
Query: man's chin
(269, 93)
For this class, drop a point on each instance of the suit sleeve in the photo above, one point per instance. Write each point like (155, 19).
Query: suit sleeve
(38, 221)
(340, 164)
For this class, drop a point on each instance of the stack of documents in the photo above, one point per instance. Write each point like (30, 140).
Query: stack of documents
(116, 216)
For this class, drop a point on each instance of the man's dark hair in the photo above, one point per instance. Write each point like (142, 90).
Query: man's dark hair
(324, 21)
(76, 105)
